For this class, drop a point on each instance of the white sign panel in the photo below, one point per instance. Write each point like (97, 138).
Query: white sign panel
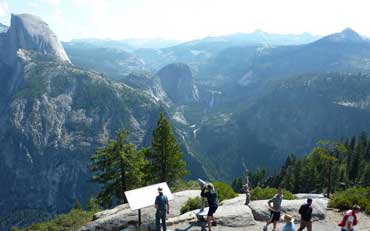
(201, 212)
(144, 197)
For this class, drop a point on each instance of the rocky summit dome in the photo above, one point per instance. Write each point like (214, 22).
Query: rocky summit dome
(31, 33)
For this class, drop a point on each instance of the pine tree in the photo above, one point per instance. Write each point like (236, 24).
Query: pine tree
(119, 167)
(238, 184)
(92, 205)
(77, 205)
(164, 156)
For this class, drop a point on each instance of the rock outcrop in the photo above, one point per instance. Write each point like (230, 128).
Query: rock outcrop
(177, 81)
(231, 214)
(121, 216)
(261, 211)
(30, 33)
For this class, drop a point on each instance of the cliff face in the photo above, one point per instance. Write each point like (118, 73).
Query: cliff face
(29, 32)
(53, 116)
(177, 81)
(55, 119)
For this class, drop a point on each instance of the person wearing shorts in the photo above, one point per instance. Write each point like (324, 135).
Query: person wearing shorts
(275, 209)
(212, 199)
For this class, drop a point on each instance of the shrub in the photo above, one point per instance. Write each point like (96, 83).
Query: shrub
(73, 220)
(259, 193)
(185, 185)
(346, 199)
(224, 191)
(191, 204)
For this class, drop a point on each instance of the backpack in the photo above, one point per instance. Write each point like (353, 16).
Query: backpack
(344, 220)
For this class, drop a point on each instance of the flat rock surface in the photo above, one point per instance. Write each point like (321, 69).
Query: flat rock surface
(329, 224)
(121, 216)
(261, 211)
(231, 215)
(307, 195)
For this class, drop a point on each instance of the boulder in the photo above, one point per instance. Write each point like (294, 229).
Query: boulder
(234, 215)
(261, 211)
(237, 200)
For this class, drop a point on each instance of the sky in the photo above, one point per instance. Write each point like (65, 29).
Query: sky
(191, 19)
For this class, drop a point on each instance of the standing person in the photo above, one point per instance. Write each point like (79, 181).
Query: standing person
(275, 209)
(163, 208)
(306, 214)
(247, 194)
(350, 219)
(289, 223)
(212, 199)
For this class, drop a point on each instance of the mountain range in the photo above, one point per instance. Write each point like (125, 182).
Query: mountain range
(250, 98)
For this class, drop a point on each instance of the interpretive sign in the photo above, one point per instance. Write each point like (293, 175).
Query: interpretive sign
(201, 212)
(144, 197)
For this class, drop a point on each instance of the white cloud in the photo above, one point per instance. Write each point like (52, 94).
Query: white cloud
(52, 2)
(4, 9)
(191, 19)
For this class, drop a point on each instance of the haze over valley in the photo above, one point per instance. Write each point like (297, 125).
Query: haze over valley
(243, 97)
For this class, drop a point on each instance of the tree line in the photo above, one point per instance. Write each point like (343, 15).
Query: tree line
(329, 167)
(120, 166)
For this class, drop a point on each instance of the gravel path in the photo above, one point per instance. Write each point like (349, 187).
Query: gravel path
(329, 224)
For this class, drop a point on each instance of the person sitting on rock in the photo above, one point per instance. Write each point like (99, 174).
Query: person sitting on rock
(163, 208)
(275, 209)
(289, 223)
(306, 214)
(212, 199)
(350, 219)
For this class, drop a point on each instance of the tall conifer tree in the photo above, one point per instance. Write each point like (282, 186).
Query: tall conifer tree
(164, 156)
(119, 167)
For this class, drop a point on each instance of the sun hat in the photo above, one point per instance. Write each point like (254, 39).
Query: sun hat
(160, 189)
(288, 218)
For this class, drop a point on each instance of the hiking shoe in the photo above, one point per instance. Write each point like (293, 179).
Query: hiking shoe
(214, 223)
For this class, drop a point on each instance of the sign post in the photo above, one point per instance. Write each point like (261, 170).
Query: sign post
(139, 214)
(145, 197)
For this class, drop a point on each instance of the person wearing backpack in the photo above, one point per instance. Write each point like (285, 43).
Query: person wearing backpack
(350, 219)
(306, 214)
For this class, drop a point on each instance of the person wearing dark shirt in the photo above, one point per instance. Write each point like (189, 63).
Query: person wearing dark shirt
(306, 214)
(163, 208)
(212, 199)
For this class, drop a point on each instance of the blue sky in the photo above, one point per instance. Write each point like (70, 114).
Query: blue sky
(191, 19)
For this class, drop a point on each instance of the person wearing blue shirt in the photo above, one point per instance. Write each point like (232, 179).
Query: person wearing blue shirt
(289, 223)
(162, 206)
(212, 199)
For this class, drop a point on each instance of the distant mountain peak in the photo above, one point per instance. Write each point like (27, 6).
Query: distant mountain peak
(177, 81)
(31, 33)
(347, 35)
